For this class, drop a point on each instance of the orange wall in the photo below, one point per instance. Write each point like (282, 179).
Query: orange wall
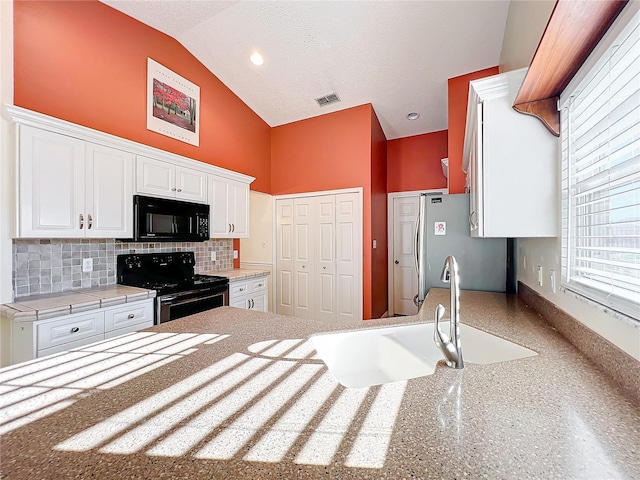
(329, 152)
(379, 267)
(86, 63)
(458, 96)
(322, 153)
(413, 163)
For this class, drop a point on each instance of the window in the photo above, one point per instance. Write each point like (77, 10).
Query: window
(600, 135)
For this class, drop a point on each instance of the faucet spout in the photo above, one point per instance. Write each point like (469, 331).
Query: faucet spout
(450, 345)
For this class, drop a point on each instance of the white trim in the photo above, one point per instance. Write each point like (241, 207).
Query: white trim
(390, 233)
(27, 117)
(358, 190)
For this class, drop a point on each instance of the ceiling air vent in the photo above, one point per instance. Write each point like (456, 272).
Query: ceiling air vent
(327, 99)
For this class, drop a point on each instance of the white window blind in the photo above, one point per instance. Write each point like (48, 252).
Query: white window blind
(600, 135)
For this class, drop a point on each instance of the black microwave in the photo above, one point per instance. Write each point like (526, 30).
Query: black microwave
(165, 220)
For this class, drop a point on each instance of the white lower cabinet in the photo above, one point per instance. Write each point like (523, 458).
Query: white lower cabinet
(40, 338)
(249, 294)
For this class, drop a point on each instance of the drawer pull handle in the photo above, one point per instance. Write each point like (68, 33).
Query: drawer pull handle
(130, 316)
(75, 329)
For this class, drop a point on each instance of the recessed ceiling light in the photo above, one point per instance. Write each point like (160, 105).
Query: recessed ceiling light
(256, 58)
(413, 116)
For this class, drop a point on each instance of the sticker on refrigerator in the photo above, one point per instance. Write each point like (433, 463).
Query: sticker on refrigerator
(440, 228)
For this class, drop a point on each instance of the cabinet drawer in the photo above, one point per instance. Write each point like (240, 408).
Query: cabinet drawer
(238, 288)
(126, 315)
(70, 329)
(128, 329)
(68, 346)
(258, 284)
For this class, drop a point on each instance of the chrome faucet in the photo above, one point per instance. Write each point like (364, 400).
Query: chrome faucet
(450, 344)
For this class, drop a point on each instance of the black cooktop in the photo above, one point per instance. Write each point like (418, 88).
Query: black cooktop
(164, 272)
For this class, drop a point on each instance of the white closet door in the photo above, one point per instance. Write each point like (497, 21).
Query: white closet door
(325, 258)
(303, 231)
(348, 265)
(284, 260)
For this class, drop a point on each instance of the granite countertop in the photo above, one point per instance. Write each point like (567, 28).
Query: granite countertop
(234, 393)
(237, 274)
(40, 307)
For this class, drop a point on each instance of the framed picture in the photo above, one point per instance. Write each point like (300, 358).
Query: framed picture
(173, 104)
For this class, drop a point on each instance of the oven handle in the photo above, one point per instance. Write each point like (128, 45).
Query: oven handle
(167, 301)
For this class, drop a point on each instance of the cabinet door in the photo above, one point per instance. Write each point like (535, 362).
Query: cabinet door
(51, 184)
(238, 195)
(155, 177)
(191, 185)
(219, 224)
(239, 302)
(109, 192)
(259, 302)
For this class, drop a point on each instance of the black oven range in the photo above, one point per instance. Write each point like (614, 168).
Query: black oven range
(179, 291)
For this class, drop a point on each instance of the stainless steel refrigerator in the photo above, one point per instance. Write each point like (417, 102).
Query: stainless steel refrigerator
(443, 230)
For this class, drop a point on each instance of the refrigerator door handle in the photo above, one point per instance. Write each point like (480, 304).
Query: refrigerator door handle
(416, 257)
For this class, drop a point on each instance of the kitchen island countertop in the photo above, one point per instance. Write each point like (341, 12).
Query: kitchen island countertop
(234, 393)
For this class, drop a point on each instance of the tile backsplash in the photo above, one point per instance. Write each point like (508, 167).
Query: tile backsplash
(55, 265)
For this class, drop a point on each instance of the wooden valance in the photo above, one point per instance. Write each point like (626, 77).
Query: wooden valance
(573, 31)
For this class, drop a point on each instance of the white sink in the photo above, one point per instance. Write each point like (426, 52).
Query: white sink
(362, 358)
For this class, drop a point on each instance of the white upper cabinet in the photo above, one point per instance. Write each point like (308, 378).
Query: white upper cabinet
(75, 182)
(69, 188)
(163, 179)
(511, 164)
(229, 201)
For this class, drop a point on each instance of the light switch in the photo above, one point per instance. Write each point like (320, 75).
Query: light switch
(235, 254)
(375, 244)
(213, 256)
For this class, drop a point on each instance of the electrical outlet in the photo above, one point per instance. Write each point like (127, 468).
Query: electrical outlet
(213, 256)
(235, 254)
(375, 244)
(539, 275)
(552, 278)
(87, 264)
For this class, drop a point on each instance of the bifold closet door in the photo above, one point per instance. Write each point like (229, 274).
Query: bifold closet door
(324, 271)
(348, 257)
(284, 257)
(303, 257)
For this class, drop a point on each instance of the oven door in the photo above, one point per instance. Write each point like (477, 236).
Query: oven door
(178, 305)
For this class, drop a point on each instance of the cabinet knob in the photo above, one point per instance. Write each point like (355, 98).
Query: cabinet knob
(81, 221)
(173, 189)
(179, 189)
(396, 262)
(233, 227)
(130, 316)
(75, 329)
(229, 228)
(304, 266)
(324, 268)
(90, 221)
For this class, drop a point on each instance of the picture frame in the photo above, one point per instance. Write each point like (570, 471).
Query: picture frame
(173, 104)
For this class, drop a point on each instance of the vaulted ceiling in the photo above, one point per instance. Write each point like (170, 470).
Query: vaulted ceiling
(396, 55)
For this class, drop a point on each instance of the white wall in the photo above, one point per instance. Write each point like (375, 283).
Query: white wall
(6, 170)
(526, 21)
(256, 252)
(525, 24)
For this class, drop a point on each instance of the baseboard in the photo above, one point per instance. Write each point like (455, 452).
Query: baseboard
(620, 367)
